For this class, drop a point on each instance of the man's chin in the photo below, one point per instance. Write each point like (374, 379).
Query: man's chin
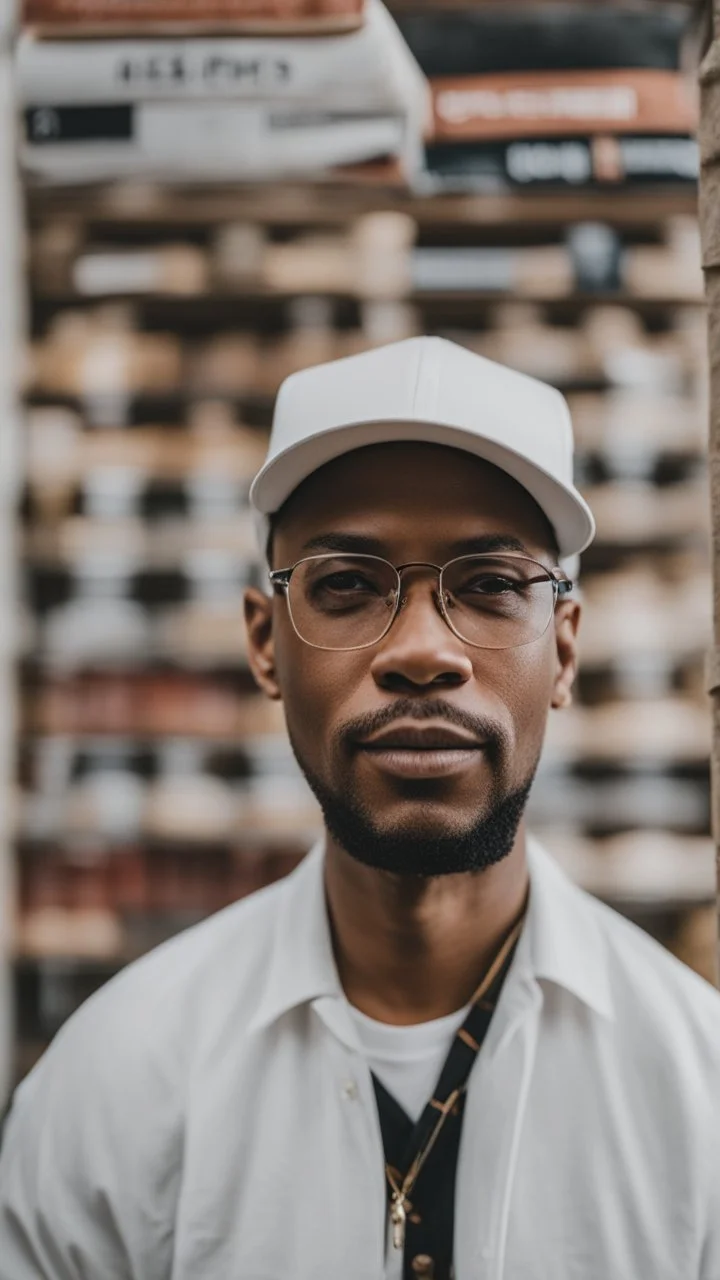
(427, 840)
(417, 834)
(403, 855)
(415, 859)
(419, 820)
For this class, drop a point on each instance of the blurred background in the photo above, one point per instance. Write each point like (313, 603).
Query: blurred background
(198, 197)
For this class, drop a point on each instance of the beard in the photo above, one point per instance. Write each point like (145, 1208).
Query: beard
(410, 851)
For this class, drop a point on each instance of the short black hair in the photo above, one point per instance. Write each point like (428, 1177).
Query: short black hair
(270, 539)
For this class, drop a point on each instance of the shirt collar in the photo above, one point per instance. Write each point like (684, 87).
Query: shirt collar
(561, 942)
(302, 965)
(566, 944)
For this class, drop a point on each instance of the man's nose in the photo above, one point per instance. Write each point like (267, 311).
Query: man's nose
(420, 649)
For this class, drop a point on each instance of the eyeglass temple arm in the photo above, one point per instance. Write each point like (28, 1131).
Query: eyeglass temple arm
(564, 585)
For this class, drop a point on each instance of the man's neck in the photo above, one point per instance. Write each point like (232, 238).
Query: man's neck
(408, 949)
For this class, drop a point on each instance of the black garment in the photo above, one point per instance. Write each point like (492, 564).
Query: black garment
(430, 1226)
(480, 40)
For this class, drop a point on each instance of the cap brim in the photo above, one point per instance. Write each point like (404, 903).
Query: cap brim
(563, 506)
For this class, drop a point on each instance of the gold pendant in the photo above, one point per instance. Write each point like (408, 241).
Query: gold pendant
(398, 1217)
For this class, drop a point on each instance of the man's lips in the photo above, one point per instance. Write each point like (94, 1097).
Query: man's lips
(415, 737)
(415, 751)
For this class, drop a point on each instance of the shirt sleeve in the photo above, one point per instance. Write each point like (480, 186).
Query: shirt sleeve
(90, 1158)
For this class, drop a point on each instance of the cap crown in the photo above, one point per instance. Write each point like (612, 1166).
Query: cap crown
(433, 391)
(428, 380)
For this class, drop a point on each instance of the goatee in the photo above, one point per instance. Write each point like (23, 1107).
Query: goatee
(406, 852)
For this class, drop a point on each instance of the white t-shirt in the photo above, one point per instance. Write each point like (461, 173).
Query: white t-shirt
(408, 1060)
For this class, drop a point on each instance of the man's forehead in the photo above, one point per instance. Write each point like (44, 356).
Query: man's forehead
(405, 454)
(405, 489)
(401, 472)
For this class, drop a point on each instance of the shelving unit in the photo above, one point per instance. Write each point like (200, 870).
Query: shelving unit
(154, 784)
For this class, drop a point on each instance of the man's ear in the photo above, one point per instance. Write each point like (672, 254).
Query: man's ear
(567, 621)
(261, 648)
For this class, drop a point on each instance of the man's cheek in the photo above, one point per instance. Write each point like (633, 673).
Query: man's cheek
(529, 730)
(307, 704)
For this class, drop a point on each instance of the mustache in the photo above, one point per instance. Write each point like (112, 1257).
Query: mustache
(435, 709)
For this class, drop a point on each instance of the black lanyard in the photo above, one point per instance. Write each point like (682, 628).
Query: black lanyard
(426, 1226)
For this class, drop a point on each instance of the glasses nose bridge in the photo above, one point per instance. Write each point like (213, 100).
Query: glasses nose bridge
(419, 564)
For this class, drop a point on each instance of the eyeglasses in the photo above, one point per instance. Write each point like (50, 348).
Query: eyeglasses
(342, 602)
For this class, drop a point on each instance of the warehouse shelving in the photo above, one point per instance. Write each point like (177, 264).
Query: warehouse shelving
(609, 791)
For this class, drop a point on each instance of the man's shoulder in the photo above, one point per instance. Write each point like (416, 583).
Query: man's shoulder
(119, 1069)
(153, 1016)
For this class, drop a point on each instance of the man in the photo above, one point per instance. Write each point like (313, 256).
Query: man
(425, 1053)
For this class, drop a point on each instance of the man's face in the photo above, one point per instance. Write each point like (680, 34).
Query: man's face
(448, 810)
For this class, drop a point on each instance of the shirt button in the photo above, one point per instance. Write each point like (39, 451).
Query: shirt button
(423, 1266)
(349, 1091)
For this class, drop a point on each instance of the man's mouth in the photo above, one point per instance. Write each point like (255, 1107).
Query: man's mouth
(422, 751)
(416, 737)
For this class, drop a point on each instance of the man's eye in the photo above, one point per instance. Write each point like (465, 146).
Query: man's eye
(491, 585)
(346, 582)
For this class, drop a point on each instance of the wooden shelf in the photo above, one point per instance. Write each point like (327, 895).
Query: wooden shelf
(168, 408)
(583, 758)
(89, 741)
(105, 966)
(33, 667)
(266, 311)
(331, 204)
(241, 842)
(592, 669)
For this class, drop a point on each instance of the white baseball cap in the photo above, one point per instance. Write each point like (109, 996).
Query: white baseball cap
(430, 390)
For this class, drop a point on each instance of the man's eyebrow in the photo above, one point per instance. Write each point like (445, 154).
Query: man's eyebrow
(488, 542)
(350, 542)
(357, 542)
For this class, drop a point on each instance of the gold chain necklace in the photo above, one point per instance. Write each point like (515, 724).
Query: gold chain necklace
(401, 1193)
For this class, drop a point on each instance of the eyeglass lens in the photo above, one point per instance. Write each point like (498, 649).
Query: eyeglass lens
(347, 602)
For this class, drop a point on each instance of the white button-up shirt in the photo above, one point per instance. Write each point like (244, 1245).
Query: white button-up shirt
(209, 1115)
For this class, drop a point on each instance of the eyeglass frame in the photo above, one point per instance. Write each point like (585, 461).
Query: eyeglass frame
(562, 586)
